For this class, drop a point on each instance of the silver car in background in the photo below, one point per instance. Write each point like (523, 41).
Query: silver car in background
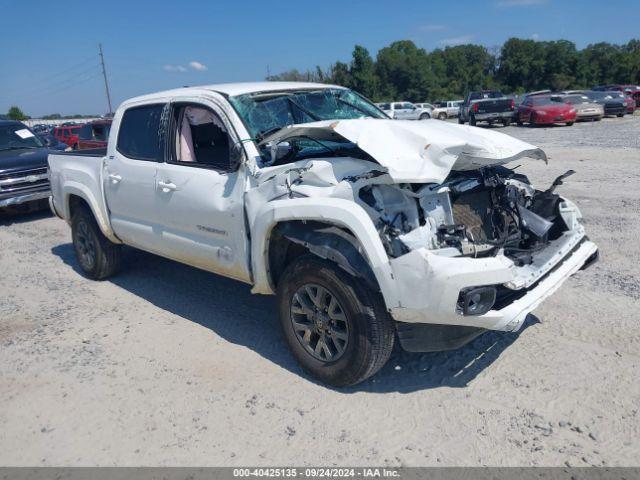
(585, 108)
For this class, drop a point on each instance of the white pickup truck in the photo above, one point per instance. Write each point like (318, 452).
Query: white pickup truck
(367, 229)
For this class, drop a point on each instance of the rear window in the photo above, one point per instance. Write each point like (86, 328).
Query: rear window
(138, 137)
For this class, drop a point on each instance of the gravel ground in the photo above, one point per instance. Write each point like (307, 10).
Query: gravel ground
(168, 365)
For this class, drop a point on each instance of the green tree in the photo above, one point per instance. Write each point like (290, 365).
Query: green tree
(362, 72)
(15, 113)
(405, 72)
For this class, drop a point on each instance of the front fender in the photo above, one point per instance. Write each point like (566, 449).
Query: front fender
(334, 211)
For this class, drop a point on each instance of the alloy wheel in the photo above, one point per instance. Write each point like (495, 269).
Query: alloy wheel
(319, 322)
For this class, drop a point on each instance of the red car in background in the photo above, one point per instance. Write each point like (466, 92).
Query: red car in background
(94, 135)
(68, 134)
(545, 110)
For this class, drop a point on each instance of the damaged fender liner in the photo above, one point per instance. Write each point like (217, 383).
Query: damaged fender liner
(334, 244)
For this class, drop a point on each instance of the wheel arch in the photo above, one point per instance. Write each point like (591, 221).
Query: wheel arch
(337, 230)
(76, 195)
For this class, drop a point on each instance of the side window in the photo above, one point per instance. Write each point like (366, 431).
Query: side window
(139, 134)
(200, 138)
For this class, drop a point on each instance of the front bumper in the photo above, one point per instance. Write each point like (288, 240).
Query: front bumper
(20, 199)
(550, 119)
(431, 284)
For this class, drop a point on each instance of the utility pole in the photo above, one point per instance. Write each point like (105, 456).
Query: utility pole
(104, 74)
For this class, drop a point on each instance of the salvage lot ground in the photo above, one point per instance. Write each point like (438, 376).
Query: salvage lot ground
(168, 365)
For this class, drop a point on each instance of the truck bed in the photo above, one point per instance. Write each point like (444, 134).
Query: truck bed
(79, 174)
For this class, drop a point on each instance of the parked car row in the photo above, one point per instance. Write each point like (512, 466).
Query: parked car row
(76, 136)
(543, 107)
(421, 111)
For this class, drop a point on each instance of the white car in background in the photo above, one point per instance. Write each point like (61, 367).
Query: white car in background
(405, 111)
(448, 109)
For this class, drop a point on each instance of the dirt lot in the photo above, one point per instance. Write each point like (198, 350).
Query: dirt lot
(168, 365)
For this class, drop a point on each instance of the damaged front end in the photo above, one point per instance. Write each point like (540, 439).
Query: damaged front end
(473, 213)
(470, 244)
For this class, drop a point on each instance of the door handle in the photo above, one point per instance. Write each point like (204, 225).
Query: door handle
(167, 187)
(115, 178)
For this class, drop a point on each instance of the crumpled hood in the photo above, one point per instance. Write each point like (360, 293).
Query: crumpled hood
(422, 151)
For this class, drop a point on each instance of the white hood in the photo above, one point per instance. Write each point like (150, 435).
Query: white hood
(423, 151)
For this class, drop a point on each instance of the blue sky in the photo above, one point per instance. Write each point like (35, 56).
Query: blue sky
(49, 61)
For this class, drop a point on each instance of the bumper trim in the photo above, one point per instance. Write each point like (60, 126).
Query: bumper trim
(425, 337)
(29, 197)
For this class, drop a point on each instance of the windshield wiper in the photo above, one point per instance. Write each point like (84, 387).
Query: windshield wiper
(265, 133)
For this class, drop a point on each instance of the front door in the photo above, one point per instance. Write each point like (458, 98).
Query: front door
(199, 192)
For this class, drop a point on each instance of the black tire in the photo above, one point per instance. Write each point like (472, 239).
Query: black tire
(98, 257)
(461, 120)
(442, 116)
(425, 116)
(519, 123)
(367, 326)
(472, 120)
(620, 115)
(532, 120)
(569, 124)
(75, 146)
(506, 123)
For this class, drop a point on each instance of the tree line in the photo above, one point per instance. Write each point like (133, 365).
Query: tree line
(403, 71)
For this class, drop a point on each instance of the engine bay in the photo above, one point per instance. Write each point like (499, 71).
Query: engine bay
(474, 213)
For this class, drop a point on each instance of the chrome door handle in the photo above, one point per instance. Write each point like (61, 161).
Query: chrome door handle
(167, 186)
(115, 178)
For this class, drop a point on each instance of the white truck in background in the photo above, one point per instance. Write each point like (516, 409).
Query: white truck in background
(405, 111)
(367, 229)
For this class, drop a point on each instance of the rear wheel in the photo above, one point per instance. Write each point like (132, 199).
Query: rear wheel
(442, 116)
(425, 116)
(460, 120)
(506, 123)
(98, 257)
(337, 329)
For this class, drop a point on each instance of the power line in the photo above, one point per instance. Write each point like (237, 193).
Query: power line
(48, 78)
(55, 86)
(67, 87)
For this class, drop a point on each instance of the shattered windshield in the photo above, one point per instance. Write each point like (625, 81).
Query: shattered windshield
(266, 112)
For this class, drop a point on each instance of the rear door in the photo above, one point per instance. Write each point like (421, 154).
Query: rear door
(130, 174)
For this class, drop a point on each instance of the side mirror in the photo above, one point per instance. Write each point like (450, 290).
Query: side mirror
(279, 150)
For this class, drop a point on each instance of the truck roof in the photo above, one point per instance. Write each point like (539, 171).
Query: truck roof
(236, 89)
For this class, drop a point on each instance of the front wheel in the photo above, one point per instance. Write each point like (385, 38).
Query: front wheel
(506, 123)
(472, 120)
(337, 329)
(620, 115)
(442, 116)
(98, 257)
(425, 116)
(460, 120)
(569, 124)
